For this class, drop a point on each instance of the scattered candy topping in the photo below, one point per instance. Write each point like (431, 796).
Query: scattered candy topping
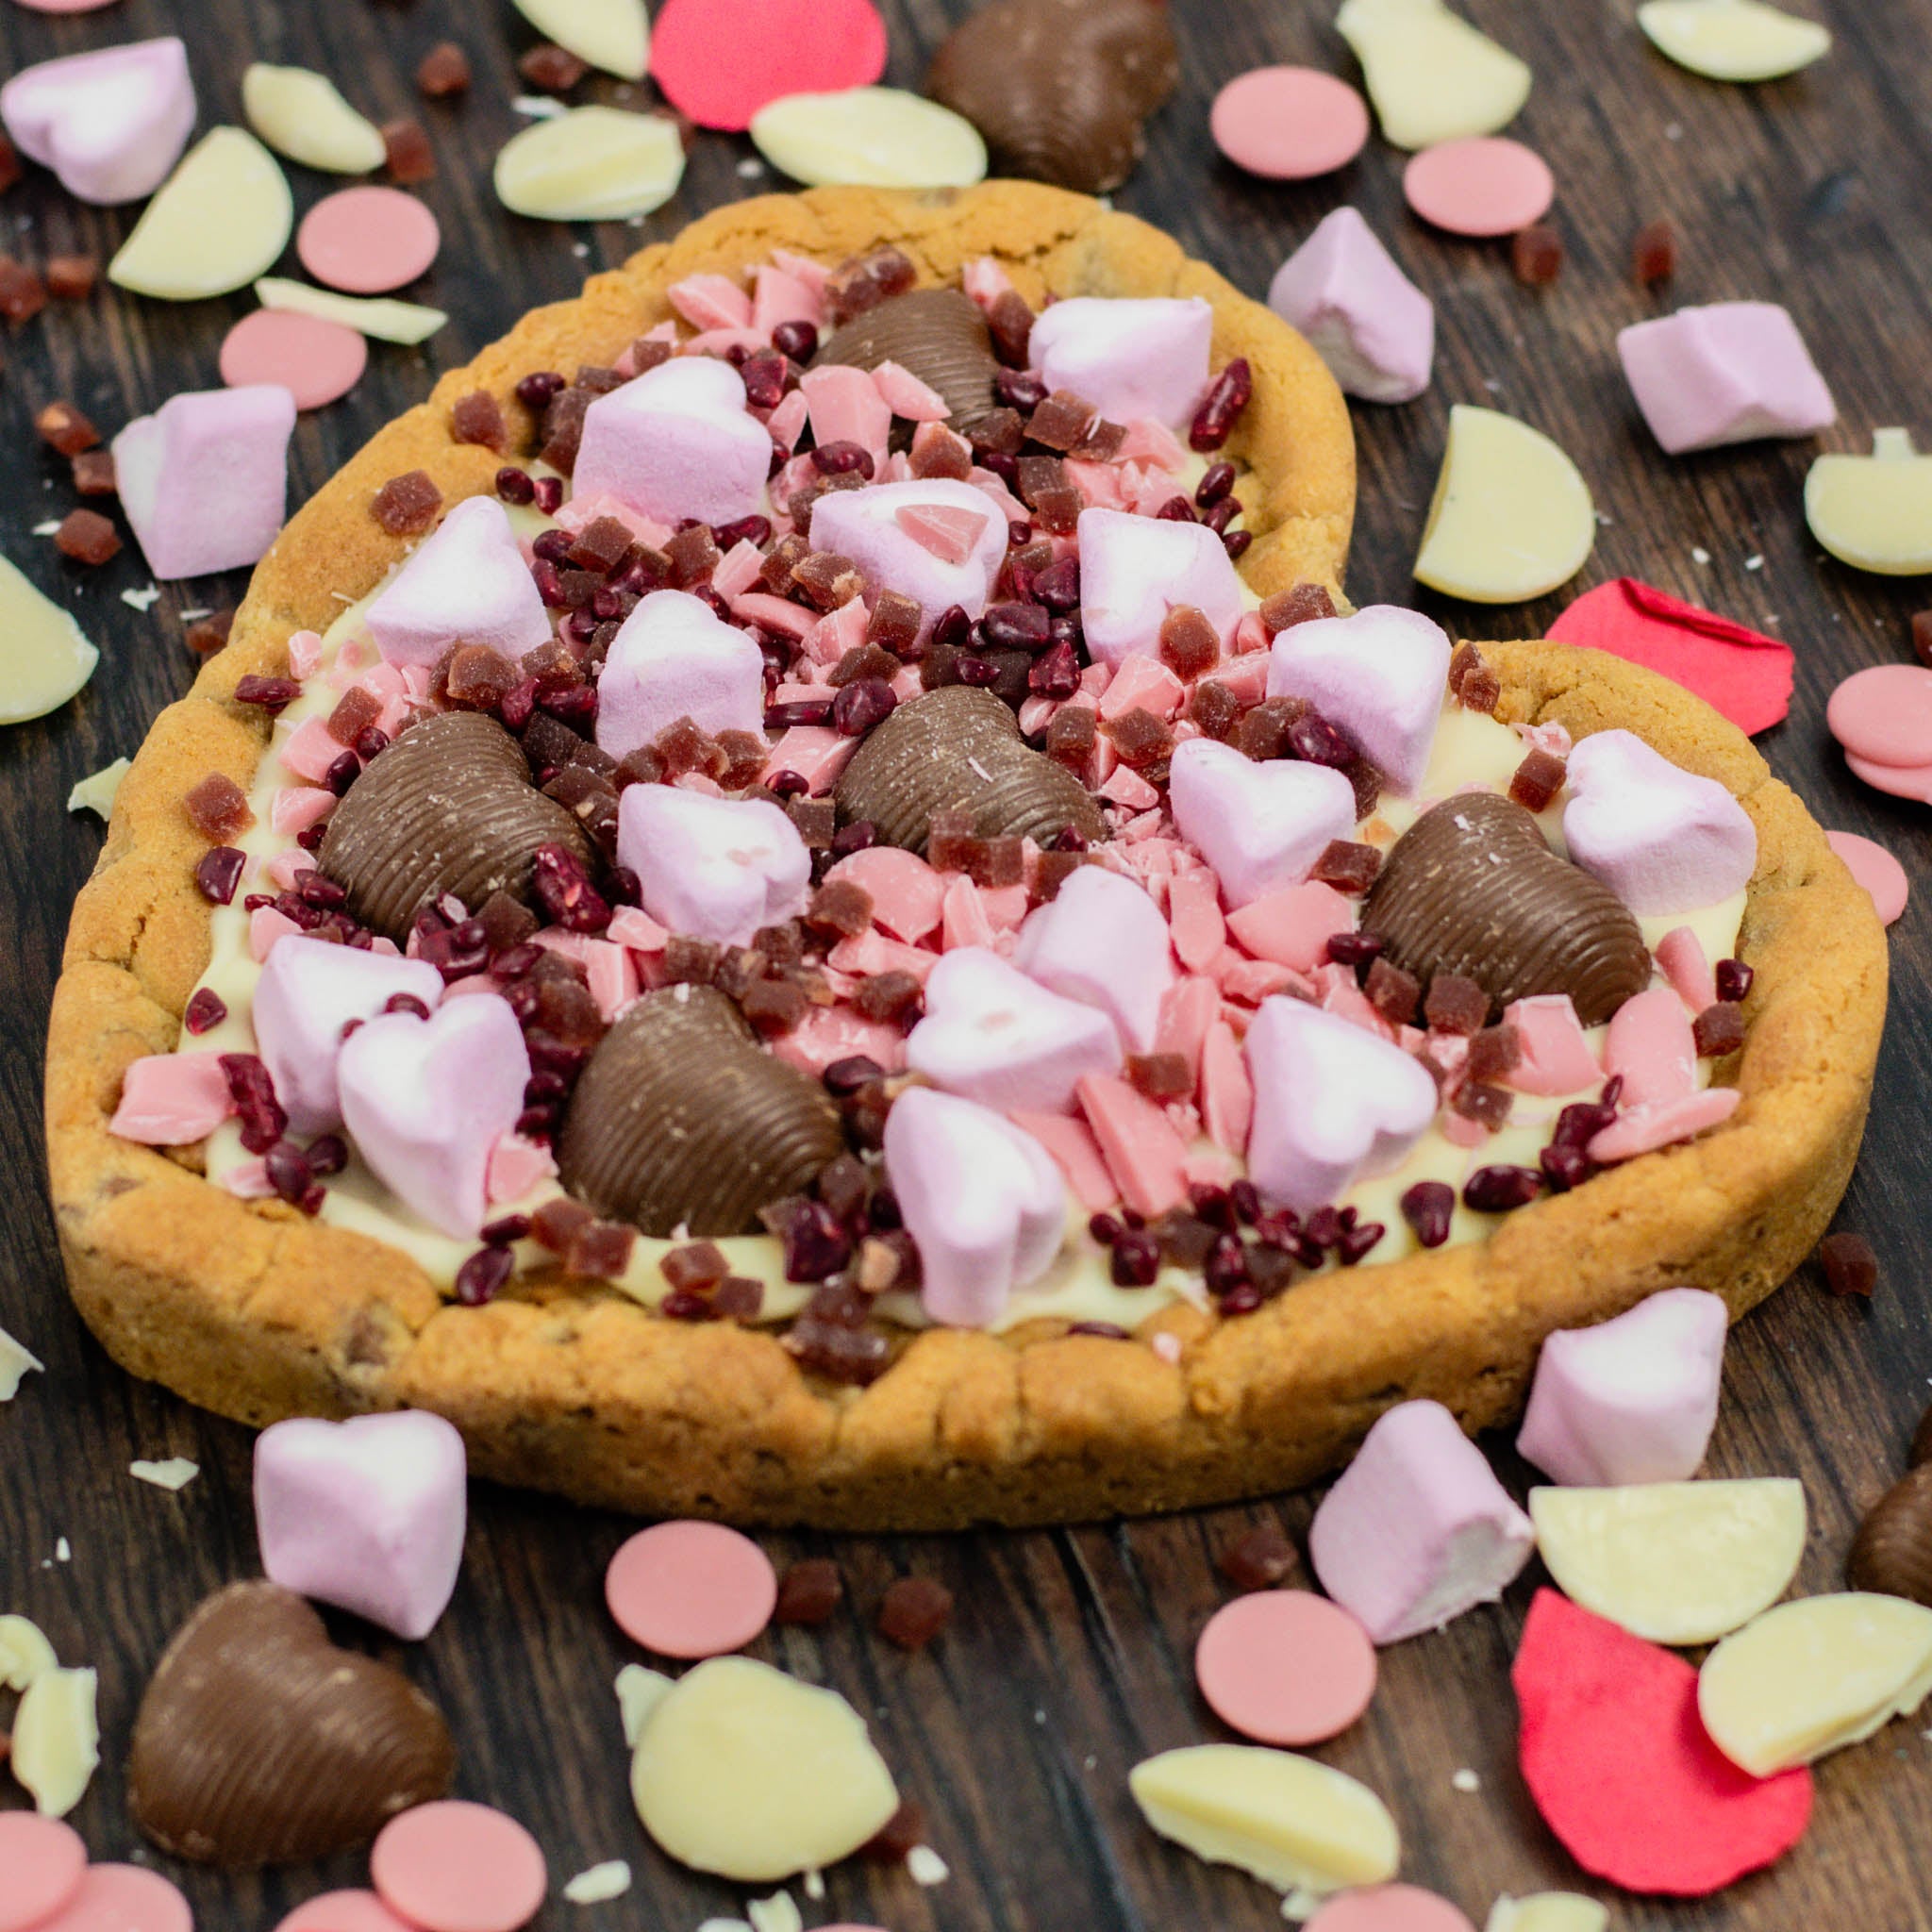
(719, 61)
(1483, 186)
(44, 656)
(1389, 1908)
(1288, 123)
(1548, 1911)
(343, 1911)
(590, 164)
(1431, 76)
(110, 124)
(1882, 716)
(1285, 1667)
(691, 1590)
(368, 241)
(453, 1866)
(1876, 869)
(868, 137)
(122, 1898)
(57, 1735)
(1875, 513)
(44, 1861)
(1374, 329)
(913, 1611)
(613, 35)
(1732, 39)
(386, 319)
(1726, 373)
(219, 221)
(318, 363)
(302, 115)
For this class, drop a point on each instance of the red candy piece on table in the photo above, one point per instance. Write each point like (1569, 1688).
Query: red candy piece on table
(721, 60)
(1622, 1769)
(457, 1867)
(316, 361)
(43, 1861)
(691, 1590)
(1734, 669)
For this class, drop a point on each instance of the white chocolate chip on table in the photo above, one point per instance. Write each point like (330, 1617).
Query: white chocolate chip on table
(592, 164)
(381, 316)
(1548, 1911)
(16, 1362)
(219, 221)
(44, 658)
(25, 1652)
(57, 1739)
(1875, 513)
(640, 1691)
(870, 137)
(1431, 76)
(614, 35)
(98, 791)
(1733, 39)
(301, 114)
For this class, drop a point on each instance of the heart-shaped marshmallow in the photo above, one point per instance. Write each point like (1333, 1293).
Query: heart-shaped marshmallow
(1103, 940)
(675, 658)
(983, 1201)
(1662, 839)
(1366, 320)
(366, 1514)
(1333, 1103)
(994, 1035)
(1134, 570)
(865, 526)
(309, 989)
(1730, 372)
(1259, 826)
(426, 1100)
(716, 867)
(1130, 359)
(468, 581)
(1379, 675)
(676, 443)
(109, 123)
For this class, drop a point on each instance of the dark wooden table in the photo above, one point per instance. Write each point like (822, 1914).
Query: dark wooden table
(1069, 1659)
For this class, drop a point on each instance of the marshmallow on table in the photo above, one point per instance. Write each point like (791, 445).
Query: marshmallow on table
(205, 479)
(1373, 327)
(674, 657)
(994, 1035)
(1417, 1529)
(427, 1100)
(982, 1200)
(309, 989)
(1662, 839)
(1103, 940)
(1633, 1400)
(880, 529)
(1260, 824)
(1378, 676)
(366, 1514)
(715, 868)
(675, 442)
(1130, 359)
(1334, 1103)
(1134, 570)
(1730, 372)
(468, 581)
(109, 123)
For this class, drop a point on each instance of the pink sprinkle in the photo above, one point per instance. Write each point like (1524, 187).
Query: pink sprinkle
(1141, 1150)
(1075, 1151)
(1152, 444)
(1195, 914)
(632, 926)
(836, 632)
(304, 653)
(1650, 1043)
(1291, 928)
(1125, 786)
(1246, 675)
(247, 1180)
(691, 1590)
(265, 926)
(1011, 510)
(907, 895)
(1187, 1008)
(836, 1033)
(737, 568)
(781, 296)
(1145, 684)
(1102, 486)
(904, 395)
(711, 302)
(846, 408)
(171, 1099)
(816, 751)
(1556, 1056)
(778, 614)
(1004, 906)
(948, 533)
(1680, 953)
(1166, 1346)
(286, 867)
(613, 976)
(963, 918)
(1250, 634)
(457, 1867)
(1252, 981)
(871, 951)
(1227, 1090)
(1647, 1128)
(787, 421)
(516, 1166)
(580, 512)
(985, 280)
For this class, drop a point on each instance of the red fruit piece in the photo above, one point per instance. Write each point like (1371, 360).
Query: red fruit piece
(1622, 1770)
(720, 61)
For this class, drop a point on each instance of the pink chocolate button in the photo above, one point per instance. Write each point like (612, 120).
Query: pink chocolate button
(316, 361)
(1884, 715)
(1900, 781)
(65, 6)
(1288, 123)
(43, 1861)
(343, 1912)
(1480, 187)
(691, 1590)
(1285, 1667)
(121, 1898)
(368, 240)
(457, 1867)
(1389, 1908)
(1875, 869)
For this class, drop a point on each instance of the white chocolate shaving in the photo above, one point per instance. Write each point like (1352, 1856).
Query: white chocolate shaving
(380, 316)
(57, 1740)
(925, 1866)
(300, 114)
(592, 164)
(44, 658)
(639, 1693)
(1733, 39)
(1875, 513)
(778, 1913)
(1548, 1911)
(216, 223)
(96, 793)
(870, 137)
(175, 1473)
(16, 1361)
(600, 1884)
(614, 35)
(25, 1652)
(1431, 76)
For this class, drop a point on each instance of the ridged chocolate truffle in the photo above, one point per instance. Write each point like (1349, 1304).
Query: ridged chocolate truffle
(682, 1119)
(1892, 1554)
(959, 749)
(448, 807)
(938, 334)
(1473, 889)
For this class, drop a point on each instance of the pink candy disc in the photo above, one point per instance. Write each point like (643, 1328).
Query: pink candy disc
(65, 6)
(1884, 715)
(1389, 1908)
(343, 1912)
(1285, 1667)
(721, 60)
(457, 1867)
(121, 1898)
(1900, 781)
(1875, 869)
(43, 1861)
(1288, 123)
(691, 1590)
(1481, 187)
(368, 241)
(316, 361)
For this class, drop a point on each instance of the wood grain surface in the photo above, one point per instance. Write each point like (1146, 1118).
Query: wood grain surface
(1070, 1656)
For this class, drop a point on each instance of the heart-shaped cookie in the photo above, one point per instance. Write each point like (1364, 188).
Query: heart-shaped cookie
(1259, 826)
(258, 1742)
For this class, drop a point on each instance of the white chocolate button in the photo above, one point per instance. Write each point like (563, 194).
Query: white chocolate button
(1431, 76)
(870, 137)
(300, 114)
(217, 222)
(1548, 1911)
(1732, 39)
(1511, 518)
(747, 1772)
(614, 35)
(1673, 1562)
(381, 316)
(1875, 513)
(15, 1364)
(44, 657)
(25, 1652)
(57, 1741)
(1296, 1824)
(1811, 1676)
(96, 793)
(592, 164)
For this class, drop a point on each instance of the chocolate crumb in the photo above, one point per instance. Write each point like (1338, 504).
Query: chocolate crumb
(64, 428)
(914, 1610)
(1262, 1559)
(1851, 1267)
(93, 474)
(443, 71)
(808, 1592)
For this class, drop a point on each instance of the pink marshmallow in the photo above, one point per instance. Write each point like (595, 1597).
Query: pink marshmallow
(171, 1099)
(992, 1035)
(1259, 826)
(468, 580)
(1633, 1400)
(1102, 941)
(1135, 570)
(906, 893)
(1127, 357)
(983, 1202)
(1146, 1156)
(1730, 372)
(1417, 1529)
(716, 867)
(1662, 839)
(1334, 1104)
(309, 989)
(1075, 1151)
(109, 123)
(1554, 1055)
(205, 479)
(864, 526)
(674, 657)
(1680, 953)
(426, 1100)
(678, 443)
(1194, 910)
(710, 302)
(845, 405)
(1378, 676)
(1366, 320)
(366, 1514)
(1291, 926)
